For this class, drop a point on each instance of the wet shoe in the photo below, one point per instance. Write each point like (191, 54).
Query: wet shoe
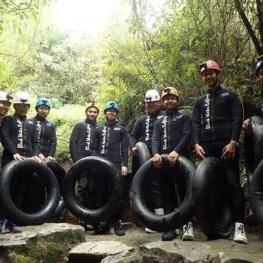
(102, 228)
(118, 230)
(86, 225)
(169, 236)
(188, 232)
(240, 235)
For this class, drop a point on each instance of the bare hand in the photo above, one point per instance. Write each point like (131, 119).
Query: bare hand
(229, 151)
(157, 161)
(246, 127)
(200, 151)
(134, 151)
(172, 157)
(124, 171)
(18, 157)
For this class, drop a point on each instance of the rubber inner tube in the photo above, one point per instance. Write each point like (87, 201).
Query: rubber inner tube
(7, 206)
(253, 146)
(170, 221)
(60, 173)
(117, 189)
(256, 194)
(211, 200)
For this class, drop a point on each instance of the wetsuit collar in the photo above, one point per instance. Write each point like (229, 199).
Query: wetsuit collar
(40, 118)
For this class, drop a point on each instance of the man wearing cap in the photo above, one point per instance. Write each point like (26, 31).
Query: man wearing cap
(142, 131)
(19, 139)
(80, 147)
(171, 136)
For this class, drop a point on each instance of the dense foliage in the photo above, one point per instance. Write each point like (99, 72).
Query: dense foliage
(150, 47)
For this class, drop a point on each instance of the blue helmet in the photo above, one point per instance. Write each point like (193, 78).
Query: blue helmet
(259, 65)
(111, 105)
(43, 101)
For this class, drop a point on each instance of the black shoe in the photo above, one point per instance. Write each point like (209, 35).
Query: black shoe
(102, 228)
(169, 236)
(86, 225)
(118, 230)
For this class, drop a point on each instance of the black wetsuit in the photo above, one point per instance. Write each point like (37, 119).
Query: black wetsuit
(80, 147)
(110, 142)
(217, 119)
(172, 132)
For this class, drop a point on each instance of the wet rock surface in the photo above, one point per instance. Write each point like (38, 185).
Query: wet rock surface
(64, 242)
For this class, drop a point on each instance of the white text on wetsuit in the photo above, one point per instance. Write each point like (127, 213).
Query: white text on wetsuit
(20, 134)
(207, 111)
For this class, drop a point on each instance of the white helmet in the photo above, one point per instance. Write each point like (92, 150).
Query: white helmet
(5, 96)
(22, 97)
(151, 95)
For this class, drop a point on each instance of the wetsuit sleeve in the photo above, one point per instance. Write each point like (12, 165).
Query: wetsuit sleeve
(260, 107)
(185, 139)
(196, 121)
(73, 143)
(124, 147)
(156, 138)
(95, 143)
(53, 141)
(236, 117)
(136, 134)
(5, 134)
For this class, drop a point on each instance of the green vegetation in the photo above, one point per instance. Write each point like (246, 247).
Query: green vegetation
(143, 51)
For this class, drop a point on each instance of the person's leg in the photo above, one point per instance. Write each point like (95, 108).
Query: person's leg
(169, 197)
(237, 199)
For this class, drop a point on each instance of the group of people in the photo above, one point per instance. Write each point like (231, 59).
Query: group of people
(214, 128)
(23, 138)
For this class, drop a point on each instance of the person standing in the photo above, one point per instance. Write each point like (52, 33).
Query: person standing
(35, 194)
(5, 103)
(80, 147)
(111, 142)
(259, 75)
(142, 131)
(171, 135)
(19, 139)
(217, 122)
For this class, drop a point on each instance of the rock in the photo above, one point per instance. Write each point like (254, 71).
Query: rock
(95, 251)
(49, 242)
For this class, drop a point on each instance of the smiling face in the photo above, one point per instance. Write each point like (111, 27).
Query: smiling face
(210, 78)
(4, 107)
(21, 109)
(152, 106)
(170, 102)
(110, 114)
(92, 113)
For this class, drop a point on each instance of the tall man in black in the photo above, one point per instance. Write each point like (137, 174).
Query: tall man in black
(80, 147)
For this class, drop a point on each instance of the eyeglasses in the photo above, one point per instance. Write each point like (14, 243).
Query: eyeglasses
(112, 104)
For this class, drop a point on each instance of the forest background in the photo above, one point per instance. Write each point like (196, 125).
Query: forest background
(149, 44)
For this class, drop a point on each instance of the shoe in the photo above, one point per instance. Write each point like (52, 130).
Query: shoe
(147, 230)
(188, 232)
(102, 228)
(86, 225)
(169, 236)
(240, 235)
(118, 230)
